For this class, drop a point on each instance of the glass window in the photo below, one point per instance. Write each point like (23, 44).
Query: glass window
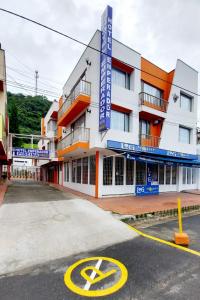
(184, 175)
(78, 176)
(92, 169)
(119, 120)
(189, 175)
(193, 175)
(66, 171)
(154, 172)
(186, 102)
(73, 170)
(107, 170)
(151, 90)
(161, 174)
(140, 173)
(144, 127)
(174, 174)
(184, 135)
(85, 170)
(168, 175)
(129, 171)
(120, 78)
(119, 170)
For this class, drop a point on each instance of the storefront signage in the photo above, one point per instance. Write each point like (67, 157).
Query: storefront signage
(30, 153)
(105, 70)
(144, 190)
(138, 149)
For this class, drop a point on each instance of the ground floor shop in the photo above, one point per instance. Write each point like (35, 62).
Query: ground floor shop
(102, 175)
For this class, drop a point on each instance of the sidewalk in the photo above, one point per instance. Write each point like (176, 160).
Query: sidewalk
(131, 205)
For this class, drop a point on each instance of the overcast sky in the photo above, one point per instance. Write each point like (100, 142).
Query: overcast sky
(161, 30)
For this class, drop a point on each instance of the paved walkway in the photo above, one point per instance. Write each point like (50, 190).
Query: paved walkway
(132, 205)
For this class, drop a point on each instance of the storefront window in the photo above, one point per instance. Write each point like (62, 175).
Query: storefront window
(85, 170)
(129, 171)
(140, 173)
(73, 170)
(174, 173)
(154, 173)
(119, 170)
(184, 175)
(66, 172)
(189, 175)
(161, 174)
(107, 170)
(78, 177)
(193, 175)
(92, 169)
(168, 174)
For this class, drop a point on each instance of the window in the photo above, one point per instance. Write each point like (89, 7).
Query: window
(184, 135)
(168, 174)
(85, 170)
(73, 170)
(151, 90)
(154, 172)
(80, 122)
(119, 120)
(174, 172)
(193, 175)
(107, 170)
(92, 169)
(186, 102)
(120, 78)
(129, 171)
(184, 175)
(189, 175)
(144, 127)
(140, 173)
(119, 170)
(78, 176)
(66, 172)
(161, 174)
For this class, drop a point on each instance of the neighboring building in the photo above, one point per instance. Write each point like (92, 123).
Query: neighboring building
(3, 115)
(150, 146)
(49, 130)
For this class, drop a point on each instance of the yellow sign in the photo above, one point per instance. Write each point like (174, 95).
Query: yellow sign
(116, 271)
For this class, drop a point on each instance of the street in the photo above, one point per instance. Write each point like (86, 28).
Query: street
(155, 270)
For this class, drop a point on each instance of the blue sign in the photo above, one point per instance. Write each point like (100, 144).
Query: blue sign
(30, 153)
(144, 190)
(105, 70)
(138, 149)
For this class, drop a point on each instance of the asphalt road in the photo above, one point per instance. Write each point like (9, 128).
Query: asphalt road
(155, 271)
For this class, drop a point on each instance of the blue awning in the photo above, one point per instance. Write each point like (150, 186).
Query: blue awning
(163, 160)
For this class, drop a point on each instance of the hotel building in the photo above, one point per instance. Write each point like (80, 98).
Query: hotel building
(135, 136)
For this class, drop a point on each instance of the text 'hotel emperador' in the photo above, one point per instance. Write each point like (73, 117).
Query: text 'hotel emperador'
(123, 125)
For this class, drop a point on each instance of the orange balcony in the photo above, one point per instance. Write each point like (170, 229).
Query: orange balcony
(75, 103)
(76, 141)
(153, 102)
(149, 140)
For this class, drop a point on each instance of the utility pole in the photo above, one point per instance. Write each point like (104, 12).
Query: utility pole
(36, 82)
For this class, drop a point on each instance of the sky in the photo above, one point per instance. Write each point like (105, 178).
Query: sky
(161, 30)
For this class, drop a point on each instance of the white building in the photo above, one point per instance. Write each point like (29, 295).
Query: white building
(150, 145)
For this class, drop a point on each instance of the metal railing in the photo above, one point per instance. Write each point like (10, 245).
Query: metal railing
(80, 134)
(83, 87)
(149, 140)
(153, 101)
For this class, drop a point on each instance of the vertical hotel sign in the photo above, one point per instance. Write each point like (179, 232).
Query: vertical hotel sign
(105, 70)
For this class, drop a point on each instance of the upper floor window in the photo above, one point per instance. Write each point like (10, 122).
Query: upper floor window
(120, 78)
(186, 102)
(119, 120)
(151, 90)
(184, 135)
(144, 127)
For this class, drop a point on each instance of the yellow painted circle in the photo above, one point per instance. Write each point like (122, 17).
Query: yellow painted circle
(98, 293)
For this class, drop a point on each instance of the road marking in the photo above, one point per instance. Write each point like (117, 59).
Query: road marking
(92, 276)
(106, 288)
(197, 253)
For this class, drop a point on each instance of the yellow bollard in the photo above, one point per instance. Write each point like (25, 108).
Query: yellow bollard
(180, 238)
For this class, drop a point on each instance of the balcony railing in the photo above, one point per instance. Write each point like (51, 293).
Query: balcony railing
(83, 87)
(149, 140)
(153, 102)
(80, 134)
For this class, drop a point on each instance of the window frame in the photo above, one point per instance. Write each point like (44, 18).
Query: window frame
(126, 117)
(126, 78)
(188, 97)
(189, 130)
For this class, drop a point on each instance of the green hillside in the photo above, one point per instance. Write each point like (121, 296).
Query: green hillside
(25, 112)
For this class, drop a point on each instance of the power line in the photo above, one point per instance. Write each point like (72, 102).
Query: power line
(97, 50)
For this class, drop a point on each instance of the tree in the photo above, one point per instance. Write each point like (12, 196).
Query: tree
(14, 122)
